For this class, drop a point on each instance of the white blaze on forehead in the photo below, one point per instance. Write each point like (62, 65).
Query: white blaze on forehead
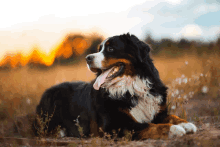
(99, 57)
(103, 45)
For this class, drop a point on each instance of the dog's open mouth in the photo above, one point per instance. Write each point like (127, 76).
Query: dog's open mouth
(108, 74)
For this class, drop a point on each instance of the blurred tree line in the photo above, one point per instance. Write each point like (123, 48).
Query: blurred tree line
(75, 51)
(171, 48)
(71, 53)
(75, 47)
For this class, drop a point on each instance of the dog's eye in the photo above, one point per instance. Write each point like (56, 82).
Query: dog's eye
(110, 49)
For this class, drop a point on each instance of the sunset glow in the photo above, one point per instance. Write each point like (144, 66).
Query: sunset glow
(65, 49)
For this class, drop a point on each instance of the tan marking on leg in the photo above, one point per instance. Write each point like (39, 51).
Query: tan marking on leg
(155, 131)
(173, 119)
(188, 127)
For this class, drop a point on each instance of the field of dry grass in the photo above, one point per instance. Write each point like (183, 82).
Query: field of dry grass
(194, 94)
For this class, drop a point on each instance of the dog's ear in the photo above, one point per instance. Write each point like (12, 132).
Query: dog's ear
(142, 48)
(132, 42)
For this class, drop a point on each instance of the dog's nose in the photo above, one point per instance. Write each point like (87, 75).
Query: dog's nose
(89, 58)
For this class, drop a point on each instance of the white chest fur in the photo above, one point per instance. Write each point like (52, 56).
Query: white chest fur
(148, 105)
(146, 109)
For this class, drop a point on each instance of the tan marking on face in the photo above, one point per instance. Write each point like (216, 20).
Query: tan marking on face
(109, 62)
(129, 69)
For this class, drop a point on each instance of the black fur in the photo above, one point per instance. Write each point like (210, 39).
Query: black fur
(72, 99)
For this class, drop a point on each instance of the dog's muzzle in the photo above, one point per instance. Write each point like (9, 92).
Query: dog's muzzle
(89, 59)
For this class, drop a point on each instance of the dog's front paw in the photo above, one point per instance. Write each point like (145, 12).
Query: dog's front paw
(176, 131)
(189, 127)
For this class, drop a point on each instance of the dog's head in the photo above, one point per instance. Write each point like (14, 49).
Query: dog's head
(118, 56)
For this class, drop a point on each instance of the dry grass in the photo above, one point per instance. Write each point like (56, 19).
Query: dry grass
(194, 93)
(193, 84)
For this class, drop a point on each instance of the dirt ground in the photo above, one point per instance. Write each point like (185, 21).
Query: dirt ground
(208, 134)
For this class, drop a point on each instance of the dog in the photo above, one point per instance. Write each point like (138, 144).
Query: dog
(127, 95)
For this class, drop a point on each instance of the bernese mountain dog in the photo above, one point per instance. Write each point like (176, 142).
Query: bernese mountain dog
(127, 95)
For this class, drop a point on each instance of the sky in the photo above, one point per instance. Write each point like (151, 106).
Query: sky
(26, 23)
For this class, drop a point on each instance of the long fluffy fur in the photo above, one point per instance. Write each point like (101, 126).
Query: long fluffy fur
(135, 99)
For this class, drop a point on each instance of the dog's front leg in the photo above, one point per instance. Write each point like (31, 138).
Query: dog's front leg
(159, 131)
(173, 119)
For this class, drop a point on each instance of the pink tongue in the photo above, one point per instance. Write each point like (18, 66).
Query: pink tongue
(101, 79)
